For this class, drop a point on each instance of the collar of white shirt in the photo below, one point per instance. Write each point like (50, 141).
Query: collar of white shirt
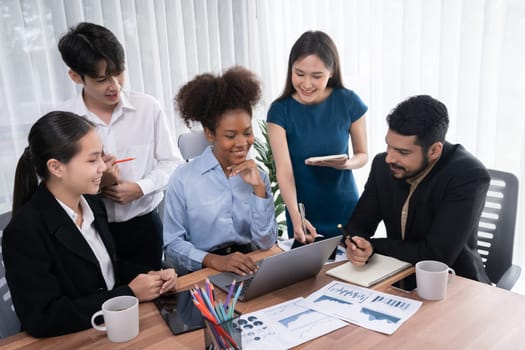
(87, 213)
(124, 104)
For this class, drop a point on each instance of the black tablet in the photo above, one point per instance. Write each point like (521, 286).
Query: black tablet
(179, 312)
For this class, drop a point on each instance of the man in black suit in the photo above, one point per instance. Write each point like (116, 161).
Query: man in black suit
(428, 192)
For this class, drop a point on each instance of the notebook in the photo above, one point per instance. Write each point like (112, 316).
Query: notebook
(280, 270)
(378, 268)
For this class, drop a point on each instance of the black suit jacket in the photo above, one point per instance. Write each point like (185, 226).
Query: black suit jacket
(53, 275)
(443, 214)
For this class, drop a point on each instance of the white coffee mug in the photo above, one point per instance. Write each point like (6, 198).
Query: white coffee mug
(121, 318)
(432, 278)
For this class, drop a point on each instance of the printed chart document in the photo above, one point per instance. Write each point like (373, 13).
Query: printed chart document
(284, 326)
(367, 308)
(378, 268)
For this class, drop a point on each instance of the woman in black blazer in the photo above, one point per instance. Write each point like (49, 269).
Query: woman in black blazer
(59, 255)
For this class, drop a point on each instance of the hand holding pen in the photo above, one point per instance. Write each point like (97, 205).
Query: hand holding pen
(358, 249)
(302, 212)
(347, 235)
(123, 160)
(309, 232)
(112, 173)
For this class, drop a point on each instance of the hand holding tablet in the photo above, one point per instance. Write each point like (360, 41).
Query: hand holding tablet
(330, 159)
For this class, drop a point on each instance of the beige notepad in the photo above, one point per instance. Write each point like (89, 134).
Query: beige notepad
(379, 267)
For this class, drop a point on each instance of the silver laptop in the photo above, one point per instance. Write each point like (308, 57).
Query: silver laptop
(280, 270)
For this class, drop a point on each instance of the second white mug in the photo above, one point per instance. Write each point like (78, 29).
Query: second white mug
(432, 279)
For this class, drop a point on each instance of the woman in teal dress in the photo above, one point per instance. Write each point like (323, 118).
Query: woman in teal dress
(314, 116)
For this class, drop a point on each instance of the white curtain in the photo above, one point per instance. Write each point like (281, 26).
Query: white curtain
(167, 42)
(468, 53)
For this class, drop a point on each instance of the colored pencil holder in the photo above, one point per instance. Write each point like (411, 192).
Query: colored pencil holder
(222, 336)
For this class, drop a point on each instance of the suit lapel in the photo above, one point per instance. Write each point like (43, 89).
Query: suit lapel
(423, 195)
(102, 227)
(62, 227)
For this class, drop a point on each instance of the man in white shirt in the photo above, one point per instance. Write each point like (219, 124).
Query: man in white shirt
(133, 127)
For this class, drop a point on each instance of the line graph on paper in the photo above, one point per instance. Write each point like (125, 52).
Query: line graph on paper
(296, 319)
(348, 294)
(339, 300)
(304, 323)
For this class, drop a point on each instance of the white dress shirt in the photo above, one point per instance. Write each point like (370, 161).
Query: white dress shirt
(138, 128)
(93, 239)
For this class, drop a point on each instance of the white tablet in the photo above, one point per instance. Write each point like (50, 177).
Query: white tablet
(325, 158)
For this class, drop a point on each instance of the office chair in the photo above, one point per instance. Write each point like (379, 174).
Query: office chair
(9, 323)
(496, 229)
(192, 143)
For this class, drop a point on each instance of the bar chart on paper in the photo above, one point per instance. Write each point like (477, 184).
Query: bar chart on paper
(393, 302)
(364, 307)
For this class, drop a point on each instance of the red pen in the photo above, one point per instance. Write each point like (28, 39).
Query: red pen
(123, 160)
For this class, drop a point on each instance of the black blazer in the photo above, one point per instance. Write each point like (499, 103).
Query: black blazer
(53, 275)
(443, 214)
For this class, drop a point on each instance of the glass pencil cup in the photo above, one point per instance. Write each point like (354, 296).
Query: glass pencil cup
(222, 336)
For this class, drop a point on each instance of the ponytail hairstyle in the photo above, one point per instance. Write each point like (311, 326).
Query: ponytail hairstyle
(56, 135)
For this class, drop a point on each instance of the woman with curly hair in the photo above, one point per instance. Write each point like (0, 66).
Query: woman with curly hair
(219, 206)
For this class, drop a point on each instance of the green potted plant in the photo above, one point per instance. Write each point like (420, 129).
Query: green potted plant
(266, 163)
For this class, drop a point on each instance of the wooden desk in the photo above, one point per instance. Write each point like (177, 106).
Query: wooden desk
(474, 315)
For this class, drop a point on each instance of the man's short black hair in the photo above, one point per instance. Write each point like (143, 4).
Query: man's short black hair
(86, 44)
(422, 116)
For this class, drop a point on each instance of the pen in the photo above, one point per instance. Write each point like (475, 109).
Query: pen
(346, 234)
(303, 216)
(123, 160)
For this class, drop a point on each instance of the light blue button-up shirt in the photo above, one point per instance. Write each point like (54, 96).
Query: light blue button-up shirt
(204, 210)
